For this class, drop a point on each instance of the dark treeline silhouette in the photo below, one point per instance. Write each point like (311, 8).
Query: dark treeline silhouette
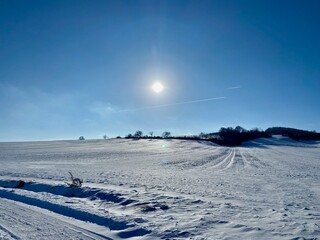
(235, 136)
(295, 134)
(226, 136)
(139, 134)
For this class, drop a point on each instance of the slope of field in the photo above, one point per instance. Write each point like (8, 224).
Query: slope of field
(160, 189)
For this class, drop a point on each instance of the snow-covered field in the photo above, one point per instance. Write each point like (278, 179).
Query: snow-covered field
(160, 189)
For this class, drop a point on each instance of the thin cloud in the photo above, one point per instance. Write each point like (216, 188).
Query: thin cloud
(32, 102)
(235, 87)
(102, 109)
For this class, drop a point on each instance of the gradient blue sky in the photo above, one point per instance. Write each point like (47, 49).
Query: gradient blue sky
(71, 68)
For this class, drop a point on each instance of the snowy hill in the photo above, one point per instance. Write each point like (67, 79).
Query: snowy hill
(160, 189)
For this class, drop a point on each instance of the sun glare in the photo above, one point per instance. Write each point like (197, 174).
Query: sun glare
(157, 87)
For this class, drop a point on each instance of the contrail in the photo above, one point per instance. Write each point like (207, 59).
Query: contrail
(173, 104)
(231, 88)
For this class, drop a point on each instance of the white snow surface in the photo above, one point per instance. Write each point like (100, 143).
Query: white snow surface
(160, 189)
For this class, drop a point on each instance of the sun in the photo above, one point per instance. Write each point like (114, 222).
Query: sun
(157, 87)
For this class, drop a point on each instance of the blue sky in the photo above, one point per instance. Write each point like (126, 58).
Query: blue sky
(71, 68)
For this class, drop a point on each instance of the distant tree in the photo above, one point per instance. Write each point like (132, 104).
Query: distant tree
(226, 132)
(166, 134)
(118, 137)
(138, 134)
(151, 134)
(240, 129)
(129, 135)
(81, 138)
(255, 130)
(222, 130)
(105, 136)
(202, 135)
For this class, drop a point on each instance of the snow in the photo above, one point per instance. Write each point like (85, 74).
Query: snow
(160, 189)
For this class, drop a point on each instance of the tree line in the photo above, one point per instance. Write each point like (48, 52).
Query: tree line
(139, 134)
(295, 134)
(229, 136)
(226, 136)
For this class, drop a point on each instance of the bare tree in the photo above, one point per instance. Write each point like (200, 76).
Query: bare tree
(166, 134)
(138, 134)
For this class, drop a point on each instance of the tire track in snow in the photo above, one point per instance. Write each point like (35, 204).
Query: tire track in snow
(252, 161)
(226, 161)
(216, 160)
(231, 159)
(200, 162)
(238, 161)
(244, 159)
